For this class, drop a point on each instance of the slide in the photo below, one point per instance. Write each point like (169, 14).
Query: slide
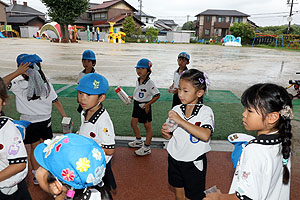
(1, 35)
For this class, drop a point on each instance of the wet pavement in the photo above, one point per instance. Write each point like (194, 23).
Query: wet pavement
(229, 68)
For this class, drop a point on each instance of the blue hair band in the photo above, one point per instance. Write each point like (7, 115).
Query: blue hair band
(285, 161)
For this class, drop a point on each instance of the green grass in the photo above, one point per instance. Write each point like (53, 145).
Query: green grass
(228, 118)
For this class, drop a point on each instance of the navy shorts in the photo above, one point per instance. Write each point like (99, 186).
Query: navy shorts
(187, 175)
(37, 131)
(140, 113)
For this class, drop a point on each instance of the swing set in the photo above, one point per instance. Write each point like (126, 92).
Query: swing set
(292, 41)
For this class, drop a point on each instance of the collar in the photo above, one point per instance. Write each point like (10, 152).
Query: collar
(3, 121)
(182, 70)
(144, 82)
(96, 115)
(267, 139)
(93, 70)
(195, 110)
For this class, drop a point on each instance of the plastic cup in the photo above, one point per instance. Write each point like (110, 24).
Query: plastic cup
(213, 189)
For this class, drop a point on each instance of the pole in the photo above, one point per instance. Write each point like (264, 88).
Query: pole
(141, 5)
(291, 10)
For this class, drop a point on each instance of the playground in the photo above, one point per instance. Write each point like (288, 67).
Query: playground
(230, 69)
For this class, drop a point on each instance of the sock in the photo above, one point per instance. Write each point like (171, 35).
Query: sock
(147, 146)
(139, 139)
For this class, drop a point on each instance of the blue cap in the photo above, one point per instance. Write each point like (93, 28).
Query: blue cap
(76, 160)
(144, 63)
(88, 55)
(93, 83)
(184, 55)
(26, 58)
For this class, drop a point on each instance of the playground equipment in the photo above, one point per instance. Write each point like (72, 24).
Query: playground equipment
(52, 26)
(115, 37)
(290, 40)
(232, 41)
(296, 85)
(7, 29)
(293, 44)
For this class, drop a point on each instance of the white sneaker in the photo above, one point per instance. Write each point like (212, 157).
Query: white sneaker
(143, 151)
(136, 143)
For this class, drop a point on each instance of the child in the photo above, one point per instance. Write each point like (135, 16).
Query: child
(263, 170)
(183, 60)
(144, 95)
(34, 98)
(189, 142)
(69, 164)
(95, 120)
(88, 63)
(13, 162)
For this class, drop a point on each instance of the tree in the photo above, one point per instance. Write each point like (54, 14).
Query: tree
(65, 12)
(151, 33)
(129, 26)
(243, 30)
(188, 26)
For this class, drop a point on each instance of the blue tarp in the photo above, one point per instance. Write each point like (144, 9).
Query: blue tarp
(1, 35)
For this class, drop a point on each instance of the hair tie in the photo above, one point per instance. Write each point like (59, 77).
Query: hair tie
(207, 82)
(286, 112)
(285, 161)
(201, 80)
(71, 193)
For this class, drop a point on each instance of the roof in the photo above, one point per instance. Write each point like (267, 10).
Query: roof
(141, 13)
(108, 4)
(83, 21)
(168, 22)
(118, 20)
(22, 19)
(234, 13)
(4, 3)
(162, 26)
(16, 8)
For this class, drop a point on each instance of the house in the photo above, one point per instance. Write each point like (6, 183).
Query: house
(22, 15)
(3, 13)
(112, 11)
(165, 25)
(146, 19)
(85, 19)
(216, 23)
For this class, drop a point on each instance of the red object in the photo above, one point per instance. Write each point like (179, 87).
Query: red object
(117, 90)
(198, 123)
(92, 134)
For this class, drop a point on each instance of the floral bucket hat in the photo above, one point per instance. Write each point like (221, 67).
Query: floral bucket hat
(76, 160)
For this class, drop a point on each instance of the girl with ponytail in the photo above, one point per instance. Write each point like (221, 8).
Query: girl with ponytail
(263, 171)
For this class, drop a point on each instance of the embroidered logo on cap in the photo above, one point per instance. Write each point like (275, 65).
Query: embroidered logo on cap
(96, 84)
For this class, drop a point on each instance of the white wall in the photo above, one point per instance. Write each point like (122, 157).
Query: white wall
(178, 37)
(28, 31)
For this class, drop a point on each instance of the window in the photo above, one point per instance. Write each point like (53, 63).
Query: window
(100, 16)
(239, 19)
(230, 19)
(207, 18)
(217, 31)
(207, 32)
(147, 20)
(221, 19)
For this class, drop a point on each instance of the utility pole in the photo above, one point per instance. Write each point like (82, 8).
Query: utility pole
(141, 5)
(187, 18)
(290, 16)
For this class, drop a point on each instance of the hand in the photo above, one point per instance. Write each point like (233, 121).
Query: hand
(130, 97)
(147, 108)
(165, 132)
(23, 68)
(174, 116)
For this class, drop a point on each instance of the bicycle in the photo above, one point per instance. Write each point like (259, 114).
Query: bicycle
(296, 85)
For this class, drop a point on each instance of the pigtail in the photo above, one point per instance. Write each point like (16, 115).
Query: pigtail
(286, 136)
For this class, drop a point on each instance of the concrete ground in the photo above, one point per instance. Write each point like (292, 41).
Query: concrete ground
(229, 68)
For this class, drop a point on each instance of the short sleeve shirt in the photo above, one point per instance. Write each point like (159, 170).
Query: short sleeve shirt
(259, 171)
(12, 151)
(82, 73)
(176, 78)
(146, 91)
(99, 128)
(183, 146)
(40, 107)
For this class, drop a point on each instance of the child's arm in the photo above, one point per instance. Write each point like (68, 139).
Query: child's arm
(108, 152)
(147, 105)
(220, 196)
(199, 132)
(20, 70)
(59, 107)
(11, 170)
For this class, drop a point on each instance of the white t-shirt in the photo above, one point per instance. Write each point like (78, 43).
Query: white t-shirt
(183, 146)
(258, 174)
(176, 78)
(82, 73)
(100, 128)
(12, 151)
(34, 110)
(144, 92)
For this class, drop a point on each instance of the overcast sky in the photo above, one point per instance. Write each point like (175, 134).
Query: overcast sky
(263, 12)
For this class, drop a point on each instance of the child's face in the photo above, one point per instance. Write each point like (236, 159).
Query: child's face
(141, 72)
(87, 64)
(41, 176)
(182, 62)
(252, 120)
(88, 101)
(187, 93)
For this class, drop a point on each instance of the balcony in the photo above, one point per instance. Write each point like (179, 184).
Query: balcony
(221, 24)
